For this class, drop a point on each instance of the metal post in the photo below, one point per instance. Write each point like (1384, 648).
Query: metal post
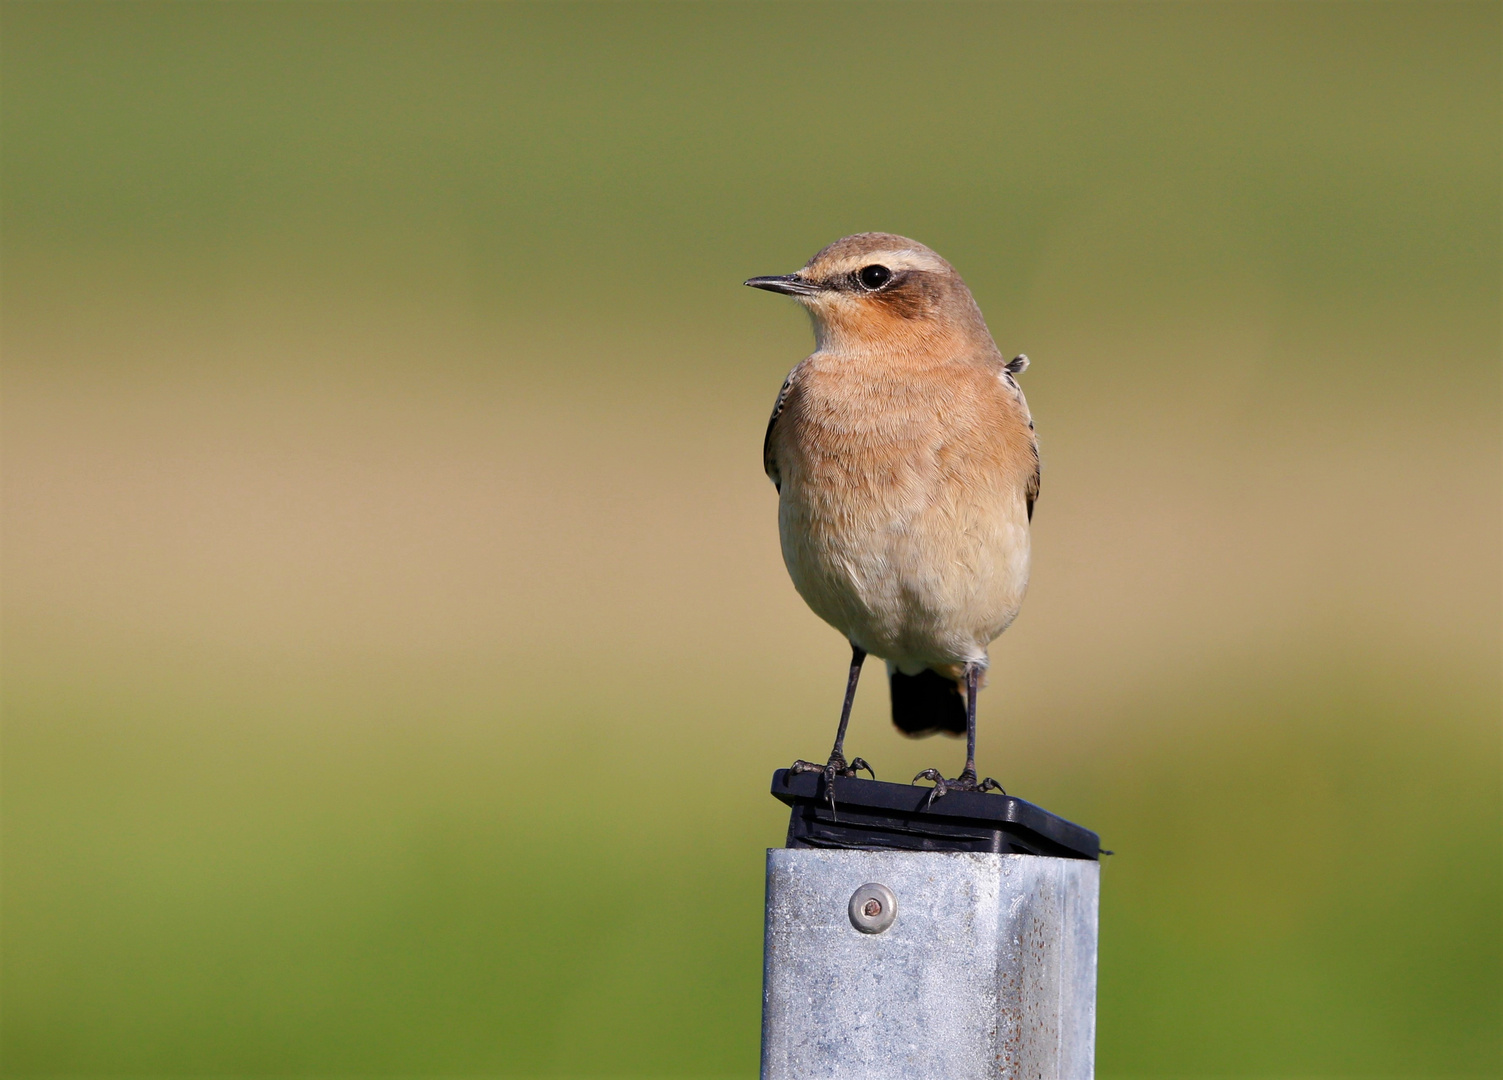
(891, 955)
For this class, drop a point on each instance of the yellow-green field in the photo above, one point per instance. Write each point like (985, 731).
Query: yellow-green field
(396, 648)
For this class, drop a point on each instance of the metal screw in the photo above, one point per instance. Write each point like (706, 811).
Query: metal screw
(873, 908)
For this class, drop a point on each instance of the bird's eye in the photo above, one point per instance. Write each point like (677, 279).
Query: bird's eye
(874, 276)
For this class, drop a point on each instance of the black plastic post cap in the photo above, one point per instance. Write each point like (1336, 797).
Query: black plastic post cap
(874, 814)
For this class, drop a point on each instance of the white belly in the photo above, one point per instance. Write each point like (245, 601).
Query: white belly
(920, 578)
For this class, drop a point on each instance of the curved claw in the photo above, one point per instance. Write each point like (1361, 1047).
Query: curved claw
(966, 781)
(940, 785)
(836, 766)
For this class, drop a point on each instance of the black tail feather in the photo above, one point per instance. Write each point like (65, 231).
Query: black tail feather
(925, 703)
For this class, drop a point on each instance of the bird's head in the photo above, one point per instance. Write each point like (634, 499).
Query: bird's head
(877, 290)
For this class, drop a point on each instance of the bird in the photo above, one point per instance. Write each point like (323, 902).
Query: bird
(907, 466)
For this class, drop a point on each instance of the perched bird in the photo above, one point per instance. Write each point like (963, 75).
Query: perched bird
(907, 467)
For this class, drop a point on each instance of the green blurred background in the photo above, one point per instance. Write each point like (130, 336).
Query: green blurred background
(396, 644)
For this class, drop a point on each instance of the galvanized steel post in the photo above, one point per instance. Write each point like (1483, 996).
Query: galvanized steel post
(915, 941)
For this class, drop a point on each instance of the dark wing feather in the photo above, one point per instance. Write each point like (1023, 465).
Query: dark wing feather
(769, 463)
(1031, 492)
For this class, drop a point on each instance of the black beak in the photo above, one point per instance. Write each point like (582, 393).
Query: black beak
(787, 284)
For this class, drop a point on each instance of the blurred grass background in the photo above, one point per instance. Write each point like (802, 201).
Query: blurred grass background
(396, 645)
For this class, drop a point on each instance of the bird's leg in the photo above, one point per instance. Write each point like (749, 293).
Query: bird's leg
(968, 774)
(966, 781)
(837, 765)
(972, 688)
(837, 755)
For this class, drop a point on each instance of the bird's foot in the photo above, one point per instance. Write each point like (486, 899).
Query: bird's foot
(836, 766)
(966, 781)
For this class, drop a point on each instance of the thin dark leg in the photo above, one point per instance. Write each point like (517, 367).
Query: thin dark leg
(858, 656)
(966, 781)
(837, 765)
(972, 686)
